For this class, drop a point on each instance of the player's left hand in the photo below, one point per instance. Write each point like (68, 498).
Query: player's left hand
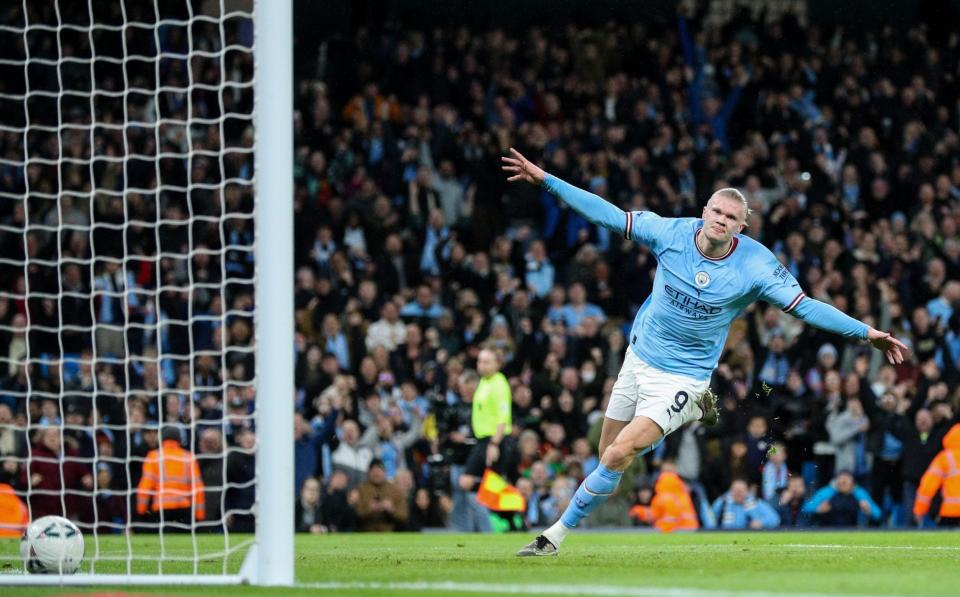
(894, 349)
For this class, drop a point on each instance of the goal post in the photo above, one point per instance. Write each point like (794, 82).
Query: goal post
(273, 118)
(146, 282)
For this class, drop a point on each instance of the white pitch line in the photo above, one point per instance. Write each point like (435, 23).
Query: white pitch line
(549, 589)
(855, 547)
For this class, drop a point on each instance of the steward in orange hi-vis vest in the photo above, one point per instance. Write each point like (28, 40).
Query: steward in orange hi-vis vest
(671, 508)
(945, 471)
(13, 513)
(171, 483)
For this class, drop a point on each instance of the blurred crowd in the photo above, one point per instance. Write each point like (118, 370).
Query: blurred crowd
(413, 256)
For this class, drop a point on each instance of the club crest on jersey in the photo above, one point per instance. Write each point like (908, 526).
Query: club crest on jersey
(702, 279)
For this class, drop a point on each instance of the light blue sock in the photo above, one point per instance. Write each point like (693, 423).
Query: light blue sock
(594, 490)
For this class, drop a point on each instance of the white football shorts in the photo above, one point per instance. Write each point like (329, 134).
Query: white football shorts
(666, 398)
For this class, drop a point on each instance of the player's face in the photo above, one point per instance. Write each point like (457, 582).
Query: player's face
(722, 218)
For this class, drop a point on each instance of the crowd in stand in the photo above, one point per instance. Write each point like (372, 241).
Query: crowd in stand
(413, 256)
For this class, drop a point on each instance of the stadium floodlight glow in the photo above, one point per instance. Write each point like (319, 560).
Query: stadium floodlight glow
(152, 168)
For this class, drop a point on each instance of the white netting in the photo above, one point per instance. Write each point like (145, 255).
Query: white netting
(126, 271)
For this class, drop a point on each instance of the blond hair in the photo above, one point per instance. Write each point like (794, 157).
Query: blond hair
(733, 193)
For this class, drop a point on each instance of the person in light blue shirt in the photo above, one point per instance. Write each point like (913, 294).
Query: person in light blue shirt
(578, 309)
(842, 503)
(540, 271)
(738, 509)
(707, 274)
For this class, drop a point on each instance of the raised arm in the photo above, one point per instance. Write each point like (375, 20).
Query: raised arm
(595, 209)
(777, 286)
(828, 317)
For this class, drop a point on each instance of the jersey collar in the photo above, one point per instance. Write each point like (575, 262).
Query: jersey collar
(733, 247)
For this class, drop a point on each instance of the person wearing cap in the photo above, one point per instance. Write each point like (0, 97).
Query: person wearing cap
(171, 488)
(382, 506)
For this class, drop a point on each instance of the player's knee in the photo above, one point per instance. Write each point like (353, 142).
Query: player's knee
(616, 455)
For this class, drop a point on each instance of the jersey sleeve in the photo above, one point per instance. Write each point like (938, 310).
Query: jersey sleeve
(647, 228)
(776, 285)
(642, 226)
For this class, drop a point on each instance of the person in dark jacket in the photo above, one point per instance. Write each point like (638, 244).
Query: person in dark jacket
(308, 513)
(241, 490)
(339, 503)
(921, 443)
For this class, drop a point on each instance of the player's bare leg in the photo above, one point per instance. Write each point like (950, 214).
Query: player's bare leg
(638, 435)
(634, 438)
(609, 432)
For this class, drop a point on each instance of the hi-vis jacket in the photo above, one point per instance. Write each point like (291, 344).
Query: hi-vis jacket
(171, 480)
(945, 471)
(13, 513)
(671, 508)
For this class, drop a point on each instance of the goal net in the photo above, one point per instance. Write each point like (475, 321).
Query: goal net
(128, 280)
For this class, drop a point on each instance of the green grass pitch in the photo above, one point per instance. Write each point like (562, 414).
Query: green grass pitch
(644, 564)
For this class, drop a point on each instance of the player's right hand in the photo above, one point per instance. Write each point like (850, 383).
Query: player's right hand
(522, 169)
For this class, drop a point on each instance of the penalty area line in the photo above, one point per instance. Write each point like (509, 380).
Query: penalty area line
(547, 589)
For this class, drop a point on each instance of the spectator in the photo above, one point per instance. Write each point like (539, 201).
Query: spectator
(388, 331)
(842, 503)
(738, 509)
(306, 450)
(351, 456)
(111, 505)
(943, 471)
(210, 460)
(381, 505)
(573, 313)
(54, 468)
(428, 511)
(390, 438)
(847, 431)
(758, 447)
(424, 309)
(240, 493)
(13, 446)
(790, 503)
(920, 445)
(775, 474)
(339, 504)
(540, 271)
(308, 513)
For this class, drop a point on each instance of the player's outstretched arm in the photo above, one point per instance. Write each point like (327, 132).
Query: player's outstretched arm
(597, 210)
(828, 317)
(778, 287)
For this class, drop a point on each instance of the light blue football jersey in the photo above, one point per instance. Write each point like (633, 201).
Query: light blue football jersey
(682, 326)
